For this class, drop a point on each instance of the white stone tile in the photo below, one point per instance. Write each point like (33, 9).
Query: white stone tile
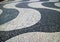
(57, 4)
(53, 0)
(1, 11)
(39, 5)
(37, 37)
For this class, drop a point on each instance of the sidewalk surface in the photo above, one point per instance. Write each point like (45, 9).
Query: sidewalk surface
(30, 21)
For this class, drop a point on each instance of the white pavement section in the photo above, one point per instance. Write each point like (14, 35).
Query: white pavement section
(18, 0)
(34, 0)
(53, 0)
(36, 37)
(57, 4)
(26, 18)
(39, 5)
(1, 11)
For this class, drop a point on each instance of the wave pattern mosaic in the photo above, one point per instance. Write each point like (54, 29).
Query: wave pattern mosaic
(30, 21)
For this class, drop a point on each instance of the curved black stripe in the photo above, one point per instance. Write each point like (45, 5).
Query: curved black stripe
(23, 5)
(50, 4)
(44, 0)
(7, 15)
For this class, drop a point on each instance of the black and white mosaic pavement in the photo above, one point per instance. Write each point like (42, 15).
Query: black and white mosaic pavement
(30, 21)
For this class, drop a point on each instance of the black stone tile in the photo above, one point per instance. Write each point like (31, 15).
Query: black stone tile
(7, 15)
(50, 4)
